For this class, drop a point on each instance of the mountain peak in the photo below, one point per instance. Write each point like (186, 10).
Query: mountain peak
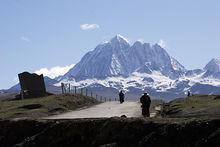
(119, 58)
(215, 60)
(213, 65)
(139, 42)
(119, 39)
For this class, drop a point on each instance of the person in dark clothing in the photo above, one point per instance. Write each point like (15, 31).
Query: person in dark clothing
(121, 96)
(145, 104)
(188, 94)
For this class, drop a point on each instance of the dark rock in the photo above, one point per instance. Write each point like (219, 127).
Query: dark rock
(124, 116)
(32, 85)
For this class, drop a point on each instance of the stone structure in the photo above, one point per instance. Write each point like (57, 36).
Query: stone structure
(32, 85)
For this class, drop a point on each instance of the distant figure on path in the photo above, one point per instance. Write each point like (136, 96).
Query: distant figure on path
(145, 101)
(188, 94)
(121, 96)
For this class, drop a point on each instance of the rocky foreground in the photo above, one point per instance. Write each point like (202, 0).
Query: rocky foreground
(111, 132)
(190, 122)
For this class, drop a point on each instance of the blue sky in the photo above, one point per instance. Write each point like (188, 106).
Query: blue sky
(47, 33)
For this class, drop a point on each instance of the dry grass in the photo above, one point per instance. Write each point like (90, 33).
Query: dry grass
(44, 106)
(194, 106)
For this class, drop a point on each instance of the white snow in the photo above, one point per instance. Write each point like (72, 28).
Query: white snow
(199, 79)
(120, 37)
(161, 82)
(176, 65)
(115, 66)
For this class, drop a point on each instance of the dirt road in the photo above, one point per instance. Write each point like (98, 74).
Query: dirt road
(107, 109)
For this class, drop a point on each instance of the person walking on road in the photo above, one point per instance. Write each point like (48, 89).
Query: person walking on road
(145, 104)
(188, 93)
(121, 96)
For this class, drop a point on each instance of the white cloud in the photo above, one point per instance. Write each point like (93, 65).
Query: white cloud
(54, 71)
(15, 80)
(50, 72)
(26, 39)
(89, 26)
(162, 43)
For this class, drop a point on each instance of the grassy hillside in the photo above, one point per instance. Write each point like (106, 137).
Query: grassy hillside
(198, 106)
(44, 106)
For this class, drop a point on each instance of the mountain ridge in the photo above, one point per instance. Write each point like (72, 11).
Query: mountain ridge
(118, 58)
(143, 67)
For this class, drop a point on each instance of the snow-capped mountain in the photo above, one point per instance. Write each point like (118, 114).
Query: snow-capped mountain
(213, 66)
(212, 69)
(118, 58)
(139, 67)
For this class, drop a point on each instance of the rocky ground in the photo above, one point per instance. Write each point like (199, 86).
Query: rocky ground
(111, 132)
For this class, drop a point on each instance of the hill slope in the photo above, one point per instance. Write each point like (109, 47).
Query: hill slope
(198, 106)
(45, 106)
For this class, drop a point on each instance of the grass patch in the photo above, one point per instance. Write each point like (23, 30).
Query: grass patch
(194, 106)
(44, 106)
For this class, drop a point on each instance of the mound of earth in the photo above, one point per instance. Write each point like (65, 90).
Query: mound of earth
(111, 132)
